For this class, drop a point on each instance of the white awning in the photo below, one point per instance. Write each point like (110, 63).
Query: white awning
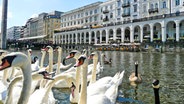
(34, 37)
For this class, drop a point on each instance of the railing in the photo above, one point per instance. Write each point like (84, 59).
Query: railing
(134, 20)
(153, 10)
(126, 5)
(125, 14)
(105, 19)
(106, 11)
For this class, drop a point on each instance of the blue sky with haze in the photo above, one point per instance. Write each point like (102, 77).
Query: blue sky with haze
(19, 11)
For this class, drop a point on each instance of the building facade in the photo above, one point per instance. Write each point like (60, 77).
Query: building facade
(124, 21)
(41, 28)
(14, 33)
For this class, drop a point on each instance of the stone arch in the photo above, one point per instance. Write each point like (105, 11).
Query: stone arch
(87, 37)
(70, 38)
(127, 35)
(92, 37)
(146, 32)
(98, 37)
(110, 35)
(82, 39)
(63, 38)
(157, 31)
(118, 35)
(78, 37)
(181, 29)
(67, 40)
(74, 38)
(137, 33)
(170, 30)
(103, 36)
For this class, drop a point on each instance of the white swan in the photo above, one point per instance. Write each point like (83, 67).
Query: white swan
(59, 66)
(94, 71)
(110, 95)
(14, 87)
(43, 57)
(45, 95)
(19, 60)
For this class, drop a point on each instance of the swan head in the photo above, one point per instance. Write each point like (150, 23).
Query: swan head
(58, 48)
(136, 63)
(48, 49)
(82, 60)
(73, 54)
(93, 55)
(16, 59)
(29, 51)
(156, 84)
(46, 75)
(35, 59)
(3, 52)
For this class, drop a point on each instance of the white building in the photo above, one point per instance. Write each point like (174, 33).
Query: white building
(123, 21)
(14, 33)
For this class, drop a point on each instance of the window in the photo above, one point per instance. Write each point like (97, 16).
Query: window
(119, 3)
(119, 12)
(111, 7)
(164, 4)
(135, 8)
(177, 2)
(156, 5)
(144, 8)
(111, 16)
(151, 6)
(95, 18)
(95, 11)
(90, 19)
(91, 12)
(86, 13)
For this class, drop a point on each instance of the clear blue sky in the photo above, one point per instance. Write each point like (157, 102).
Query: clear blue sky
(19, 11)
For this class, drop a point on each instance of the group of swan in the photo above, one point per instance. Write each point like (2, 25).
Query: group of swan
(103, 90)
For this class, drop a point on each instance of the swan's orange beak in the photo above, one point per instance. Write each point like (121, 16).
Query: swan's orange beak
(5, 64)
(79, 63)
(90, 57)
(70, 56)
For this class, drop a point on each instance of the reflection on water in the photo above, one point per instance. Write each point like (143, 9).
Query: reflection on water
(167, 67)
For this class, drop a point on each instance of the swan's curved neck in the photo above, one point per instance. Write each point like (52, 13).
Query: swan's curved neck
(25, 93)
(83, 96)
(50, 61)
(57, 78)
(59, 61)
(93, 79)
(102, 60)
(5, 76)
(157, 98)
(29, 56)
(136, 70)
(76, 91)
(42, 59)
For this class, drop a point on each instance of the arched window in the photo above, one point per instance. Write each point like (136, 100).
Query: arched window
(111, 16)
(156, 5)
(151, 6)
(164, 4)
